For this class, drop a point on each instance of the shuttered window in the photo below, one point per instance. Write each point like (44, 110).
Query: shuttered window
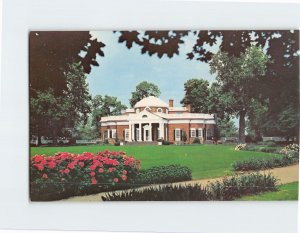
(200, 132)
(193, 132)
(177, 135)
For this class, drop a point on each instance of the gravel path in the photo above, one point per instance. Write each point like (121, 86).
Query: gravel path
(284, 174)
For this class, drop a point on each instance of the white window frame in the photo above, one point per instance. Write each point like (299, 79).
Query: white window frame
(193, 132)
(126, 135)
(177, 135)
(200, 132)
(114, 133)
(147, 109)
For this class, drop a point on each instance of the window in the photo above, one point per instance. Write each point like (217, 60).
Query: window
(159, 110)
(137, 110)
(177, 135)
(126, 134)
(113, 133)
(200, 132)
(193, 133)
(144, 116)
(147, 109)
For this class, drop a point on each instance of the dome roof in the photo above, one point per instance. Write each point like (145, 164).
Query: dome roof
(151, 101)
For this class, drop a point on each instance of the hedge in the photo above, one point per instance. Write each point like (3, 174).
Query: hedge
(229, 188)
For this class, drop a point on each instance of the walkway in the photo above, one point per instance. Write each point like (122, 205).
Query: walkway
(284, 174)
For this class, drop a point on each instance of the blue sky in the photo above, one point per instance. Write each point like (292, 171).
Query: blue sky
(122, 69)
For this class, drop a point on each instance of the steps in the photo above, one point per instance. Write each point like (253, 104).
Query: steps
(141, 143)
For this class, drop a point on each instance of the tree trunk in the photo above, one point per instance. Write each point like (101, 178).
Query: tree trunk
(39, 140)
(242, 126)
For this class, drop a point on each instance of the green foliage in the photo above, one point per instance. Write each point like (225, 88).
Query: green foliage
(196, 94)
(255, 164)
(142, 90)
(236, 186)
(161, 193)
(226, 127)
(237, 77)
(53, 115)
(164, 174)
(228, 189)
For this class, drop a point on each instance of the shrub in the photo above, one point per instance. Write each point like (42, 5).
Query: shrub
(261, 164)
(64, 174)
(290, 149)
(196, 141)
(166, 143)
(236, 186)
(164, 174)
(229, 188)
(161, 193)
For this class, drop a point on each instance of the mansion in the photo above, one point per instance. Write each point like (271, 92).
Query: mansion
(152, 119)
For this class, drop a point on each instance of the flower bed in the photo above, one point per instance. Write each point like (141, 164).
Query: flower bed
(240, 147)
(229, 188)
(65, 174)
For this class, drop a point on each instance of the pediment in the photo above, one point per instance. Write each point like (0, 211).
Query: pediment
(144, 115)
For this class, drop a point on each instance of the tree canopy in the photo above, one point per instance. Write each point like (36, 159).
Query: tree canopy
(51, 52)
(142, 90)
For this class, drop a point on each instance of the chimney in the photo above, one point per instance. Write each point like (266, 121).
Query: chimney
(171, 103)
(189, 107)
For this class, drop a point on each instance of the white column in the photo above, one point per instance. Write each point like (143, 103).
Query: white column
(140, 132)
(108, 133)
(150, 132)
(129, 131)
(133, 133)
(161, 130)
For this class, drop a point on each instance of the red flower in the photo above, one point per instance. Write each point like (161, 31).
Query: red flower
(124, 177)
(71, 165)
(93, 174)
(92, 168)
(66, 171)
(39, 167)
(45, 176)
(100, 170)
(124, 172)
(51, 164)
(116, 180)
(94, 181)
(110, 169)
(81, 164)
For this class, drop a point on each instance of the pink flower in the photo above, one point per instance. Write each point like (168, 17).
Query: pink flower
(66, 171)
(39, 167)
(93, 174)
(51, 164)
(124, 172)
(124, 177)
(94, 181)
(100, 170)
(45, 176)
(116, 180)
(81, 164)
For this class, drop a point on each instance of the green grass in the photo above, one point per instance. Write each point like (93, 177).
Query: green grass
(205, 161)
(286, 192)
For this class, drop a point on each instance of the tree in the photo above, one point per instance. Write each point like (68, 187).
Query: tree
(52, 115)
(280, 86)
(142, 90)
(226, 127)
(196, 94)
(48, 114)
(52, 52)
(238, 78)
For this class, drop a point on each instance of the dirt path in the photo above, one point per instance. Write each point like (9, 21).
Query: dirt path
(284, 174)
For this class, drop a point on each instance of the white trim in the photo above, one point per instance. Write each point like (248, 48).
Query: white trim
(113, 133)
(114, 123)
(200, 132)
(160, 110)
(177, 136)
(127, 135)
(193, 132)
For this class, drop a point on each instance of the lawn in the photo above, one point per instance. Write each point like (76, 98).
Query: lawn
(286, 192)
(205, 161)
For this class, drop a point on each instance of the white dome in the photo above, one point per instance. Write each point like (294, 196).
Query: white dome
(151, 101)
